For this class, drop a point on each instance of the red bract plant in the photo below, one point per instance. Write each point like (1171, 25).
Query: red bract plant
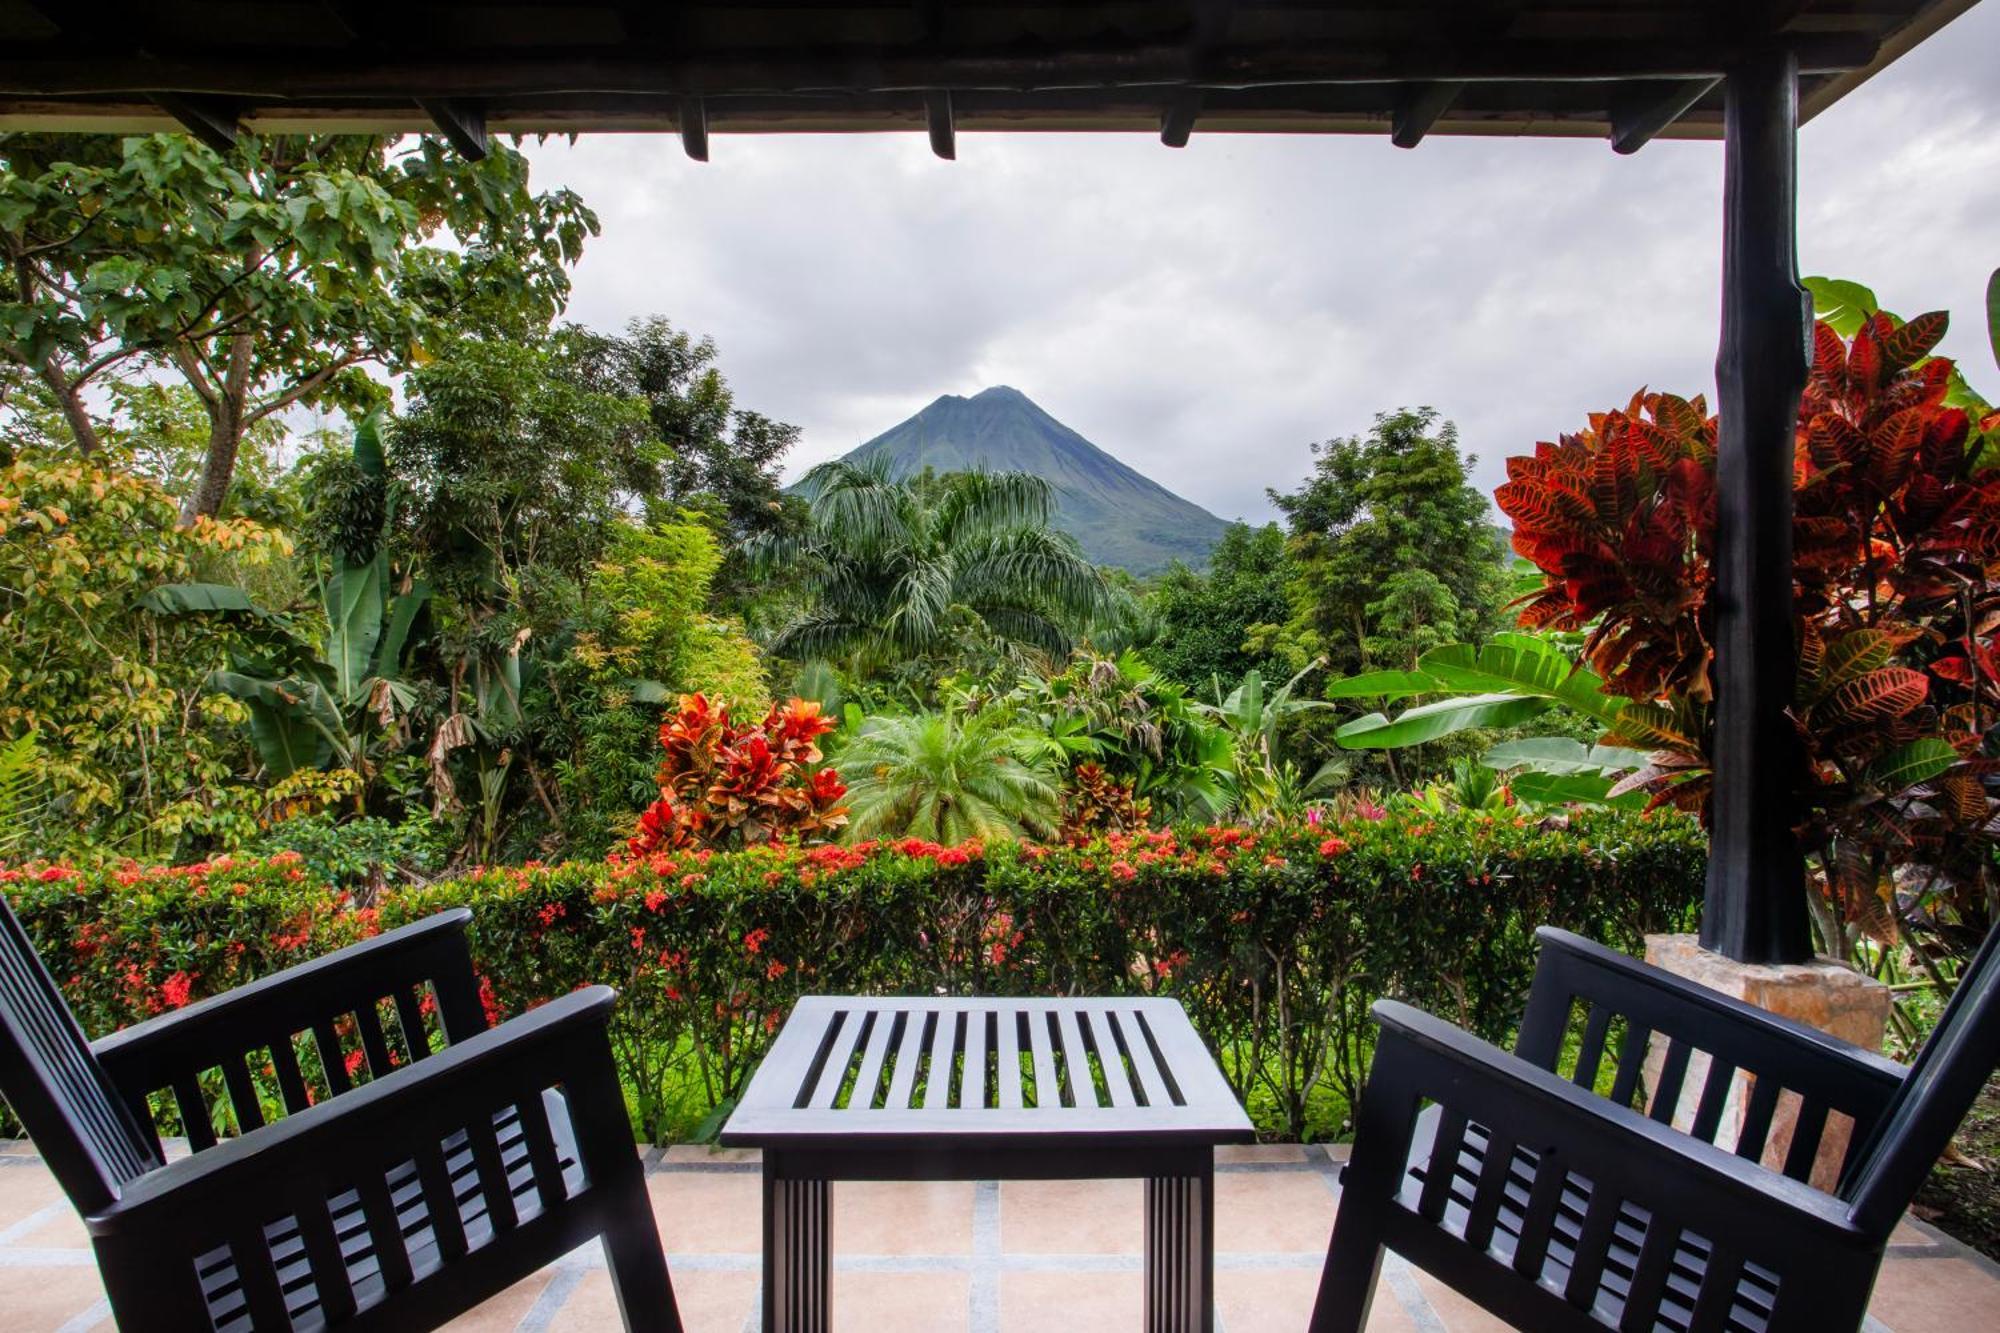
(725, 784)
(1896, 540)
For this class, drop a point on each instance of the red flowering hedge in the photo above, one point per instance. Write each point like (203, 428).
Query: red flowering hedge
(1276, 941)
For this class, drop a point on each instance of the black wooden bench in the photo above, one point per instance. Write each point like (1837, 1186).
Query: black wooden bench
(987, 1089)
(1559, 1209)
(394, 1204)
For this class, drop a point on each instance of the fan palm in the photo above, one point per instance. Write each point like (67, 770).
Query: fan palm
(894, 568)
(947, 776)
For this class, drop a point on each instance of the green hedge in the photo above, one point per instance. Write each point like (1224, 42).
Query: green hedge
(1277, 941)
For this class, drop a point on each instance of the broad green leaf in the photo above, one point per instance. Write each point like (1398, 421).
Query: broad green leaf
(1572, 789)
(402, 614)
(1919, 761)
(1560, 756)
(1842, 304)
(650, 692)
(1993, 314)
(353, 599)
(1428, 722)
(1516, 668)
(1390, 685)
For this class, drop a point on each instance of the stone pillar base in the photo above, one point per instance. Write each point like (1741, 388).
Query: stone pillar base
(1829, 996)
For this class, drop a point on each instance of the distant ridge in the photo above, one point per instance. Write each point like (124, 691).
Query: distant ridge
(1118, 515)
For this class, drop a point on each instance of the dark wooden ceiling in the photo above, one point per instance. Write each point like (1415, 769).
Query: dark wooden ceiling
(1622, 69)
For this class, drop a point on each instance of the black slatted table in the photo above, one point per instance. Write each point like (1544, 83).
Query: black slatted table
(923, 1088)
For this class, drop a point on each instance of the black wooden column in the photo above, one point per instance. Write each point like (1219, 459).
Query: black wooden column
(1755, 907)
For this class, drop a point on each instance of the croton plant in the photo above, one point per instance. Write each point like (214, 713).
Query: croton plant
(727, 784)
(1896, 541)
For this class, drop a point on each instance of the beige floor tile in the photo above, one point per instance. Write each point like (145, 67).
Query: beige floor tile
(1457, 1313)
(1261, 1298)
(17, 1147)
(35, 1299)
(703, 1154)
(704, 1214)
(1935, 1296)
(894, 1217)
(1905, 1234)
(64, 1231)
(1076, 1302)
(25, 1190)
(901, 1302)
(1072, 1216)
(501, 1313)
(714, 1302)
(1269, 1212)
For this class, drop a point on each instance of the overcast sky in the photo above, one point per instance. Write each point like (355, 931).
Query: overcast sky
(1205, 314)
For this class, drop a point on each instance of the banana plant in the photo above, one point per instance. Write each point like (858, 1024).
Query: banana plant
(319, 703)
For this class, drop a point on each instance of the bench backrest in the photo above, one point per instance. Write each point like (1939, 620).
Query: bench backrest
(1925, 1112)
(80, 1125)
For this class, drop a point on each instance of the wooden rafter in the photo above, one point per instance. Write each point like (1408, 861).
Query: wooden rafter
(1418, 108)
(937, 113)
(462, 124)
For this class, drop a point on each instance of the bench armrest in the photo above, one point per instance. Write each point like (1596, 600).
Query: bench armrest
(343, 1141)
(172, 1050)
(1734, 1203)
(1817, 1065)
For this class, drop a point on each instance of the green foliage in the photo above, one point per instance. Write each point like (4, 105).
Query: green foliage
(268, 275)
(21, 795)
(358, 855)
(1392, 549)
(1207, 624)
(139, 753)
(923, 568)
(1276, 942)
(949, 776)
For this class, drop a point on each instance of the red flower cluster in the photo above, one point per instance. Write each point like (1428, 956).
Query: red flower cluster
(725, 784)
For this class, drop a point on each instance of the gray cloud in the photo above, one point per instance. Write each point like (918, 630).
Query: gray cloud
(1206, 314)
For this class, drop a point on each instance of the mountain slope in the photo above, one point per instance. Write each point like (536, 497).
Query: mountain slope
(1118, 515)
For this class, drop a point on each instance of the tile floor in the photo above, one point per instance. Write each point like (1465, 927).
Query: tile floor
(982, 1258)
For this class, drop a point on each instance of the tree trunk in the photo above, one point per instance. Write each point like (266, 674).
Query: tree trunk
(227, 409)
(81, 428)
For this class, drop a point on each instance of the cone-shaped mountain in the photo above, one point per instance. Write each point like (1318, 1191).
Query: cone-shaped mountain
(1119, 516)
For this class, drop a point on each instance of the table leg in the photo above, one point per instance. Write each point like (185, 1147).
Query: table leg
(798, 1251)
(1180, 1251)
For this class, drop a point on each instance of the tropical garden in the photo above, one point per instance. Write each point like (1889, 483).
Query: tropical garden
(342, 579)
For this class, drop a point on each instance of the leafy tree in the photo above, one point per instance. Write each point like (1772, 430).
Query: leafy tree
(718, 455)
(948, 776)
(1208, 623)
(897, 570)
(265, 276)
(1393, 550)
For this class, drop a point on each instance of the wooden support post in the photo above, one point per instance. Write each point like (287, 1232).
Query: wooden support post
(694, 128)
(1755, 908)
(462, 124)
(1177, 121)
(1418, 107)
(203, 117)
(944, 133)
(1647, 108)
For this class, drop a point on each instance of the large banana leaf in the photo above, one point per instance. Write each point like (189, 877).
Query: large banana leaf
(294, 722)
(354, 597)
(1428, 722)
(1559, 756)
(1573, 789)
(1388, 686)
(1520, 666)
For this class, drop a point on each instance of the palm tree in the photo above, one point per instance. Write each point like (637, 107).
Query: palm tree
(948, 776)
(896, 569)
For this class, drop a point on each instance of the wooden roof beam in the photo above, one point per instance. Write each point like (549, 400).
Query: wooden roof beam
(1642, 112)
(944, 133)
(461, 123)
(1418, 107)
(203, 117)
(1209, 31)
(1177, 121)
(694, 128)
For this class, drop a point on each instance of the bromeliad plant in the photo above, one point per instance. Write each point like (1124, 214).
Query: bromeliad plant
(725, 784)
(1896, 542)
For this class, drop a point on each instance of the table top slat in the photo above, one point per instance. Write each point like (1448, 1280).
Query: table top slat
(862, 1096)
(972, 1078)
(1076, 1060)
(1008, 1061)
(909, 1055)
(1132, 1029)
(944, 1052)
(1048, 1087)
(1116, 1081)
(840, 1054)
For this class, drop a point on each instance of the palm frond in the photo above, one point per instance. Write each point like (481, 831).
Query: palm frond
(977, 505)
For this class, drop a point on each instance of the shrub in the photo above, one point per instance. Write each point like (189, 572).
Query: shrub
(730, 784)
(1277, 941)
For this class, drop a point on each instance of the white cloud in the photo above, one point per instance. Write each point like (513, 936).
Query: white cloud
(1207, 313)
